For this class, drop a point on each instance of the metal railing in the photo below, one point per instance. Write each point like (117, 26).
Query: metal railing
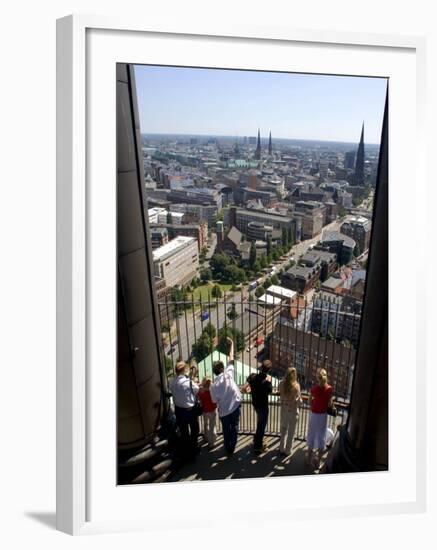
(280, 331)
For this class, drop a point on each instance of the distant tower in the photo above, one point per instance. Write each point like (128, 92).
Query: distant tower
(236, 148)
(270, 144)
(359, 162)
(258, 147)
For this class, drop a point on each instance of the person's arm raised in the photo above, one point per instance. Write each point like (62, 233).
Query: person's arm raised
(231, 348)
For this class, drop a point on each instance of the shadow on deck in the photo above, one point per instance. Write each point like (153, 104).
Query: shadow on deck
(244, 463)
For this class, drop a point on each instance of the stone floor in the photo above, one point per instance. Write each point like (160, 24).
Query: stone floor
(244, 463)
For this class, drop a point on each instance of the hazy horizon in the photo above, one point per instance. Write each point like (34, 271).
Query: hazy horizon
(235, 103)
(264, 138)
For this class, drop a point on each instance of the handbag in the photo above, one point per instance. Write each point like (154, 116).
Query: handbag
(197, 408)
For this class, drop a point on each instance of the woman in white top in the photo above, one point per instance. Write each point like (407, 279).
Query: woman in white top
(289, 391)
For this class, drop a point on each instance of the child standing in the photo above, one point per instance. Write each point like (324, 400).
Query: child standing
(209, 412)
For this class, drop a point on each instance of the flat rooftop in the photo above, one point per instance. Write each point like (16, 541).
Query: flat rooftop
(172, 247)
(277, 290)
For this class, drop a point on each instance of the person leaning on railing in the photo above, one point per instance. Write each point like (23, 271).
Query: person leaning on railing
(225, 392)
(184, 392)
(259, 384)
(320, 399)
(290, 396)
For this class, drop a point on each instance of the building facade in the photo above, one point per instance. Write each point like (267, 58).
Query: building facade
(337, 317)
(177, 261)
(359, 229)
(312, 216)
(307, 353)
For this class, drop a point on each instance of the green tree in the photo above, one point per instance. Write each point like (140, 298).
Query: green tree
(210, 330)
(263, 262)
(259, 291)
(205, 274)
(231, 332)
(284, 237)
(290, 237)
(202, 347)
(216, 291)
(233, 274)
(251, 297)
(257, 267)
(267, 283)
(274, 279)
(218, 264)
(180, 299)
(232, 312)
(169, 217)
(252, 255)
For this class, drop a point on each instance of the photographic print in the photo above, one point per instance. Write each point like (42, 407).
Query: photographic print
(252, 274)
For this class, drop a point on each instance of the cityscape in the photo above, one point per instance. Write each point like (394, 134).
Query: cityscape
(261, 240)
(280, 229)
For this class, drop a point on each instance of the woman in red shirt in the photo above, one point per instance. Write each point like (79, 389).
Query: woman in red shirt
(319, 400)
(209, 412)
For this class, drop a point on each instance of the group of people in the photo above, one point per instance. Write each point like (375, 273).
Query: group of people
(223, 395)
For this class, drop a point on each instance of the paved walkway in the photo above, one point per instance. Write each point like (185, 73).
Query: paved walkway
(215, 465)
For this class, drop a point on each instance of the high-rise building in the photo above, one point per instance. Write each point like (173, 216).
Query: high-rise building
(258, 147)
(359, 164)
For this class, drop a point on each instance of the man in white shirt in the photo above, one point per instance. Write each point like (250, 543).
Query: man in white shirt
(184, 392)
(225, 392)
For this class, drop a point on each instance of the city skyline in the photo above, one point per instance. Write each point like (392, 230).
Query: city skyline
(223, 102)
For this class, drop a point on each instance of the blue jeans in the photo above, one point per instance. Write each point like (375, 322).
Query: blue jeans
(230, 429)
(262, 416)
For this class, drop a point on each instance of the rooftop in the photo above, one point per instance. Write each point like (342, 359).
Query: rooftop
(334, 236)
(332, 283)
(277, 290)
(269, 300)
(172, 247)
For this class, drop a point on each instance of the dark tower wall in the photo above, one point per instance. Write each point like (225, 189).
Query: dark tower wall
(139, 368)
(363, 445)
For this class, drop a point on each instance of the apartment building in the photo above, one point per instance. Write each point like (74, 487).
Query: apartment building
(307, 353)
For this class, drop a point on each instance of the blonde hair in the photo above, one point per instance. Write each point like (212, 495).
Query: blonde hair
(322, 378)
(181, 367)
(289, 381)
(206, 382)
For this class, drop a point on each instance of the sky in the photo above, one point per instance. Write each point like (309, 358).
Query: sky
(179, 100)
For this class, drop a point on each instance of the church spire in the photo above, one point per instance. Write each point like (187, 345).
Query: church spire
(258, 147)
(270, 143)
(359, 163)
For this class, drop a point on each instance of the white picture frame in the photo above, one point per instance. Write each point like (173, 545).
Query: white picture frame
(79, 38)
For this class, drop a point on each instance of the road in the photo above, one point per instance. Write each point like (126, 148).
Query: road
(189, 325)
